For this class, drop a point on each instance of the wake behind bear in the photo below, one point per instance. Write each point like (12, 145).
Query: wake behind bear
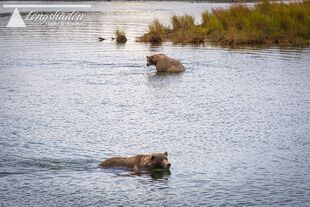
(139, 162)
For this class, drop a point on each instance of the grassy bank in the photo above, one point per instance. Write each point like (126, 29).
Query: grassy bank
(265, 23)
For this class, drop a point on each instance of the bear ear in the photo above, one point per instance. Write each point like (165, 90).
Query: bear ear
(153, 157)
(166, 153)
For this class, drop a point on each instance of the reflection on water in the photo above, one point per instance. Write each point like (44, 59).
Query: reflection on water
(235, 123)
(156, 175)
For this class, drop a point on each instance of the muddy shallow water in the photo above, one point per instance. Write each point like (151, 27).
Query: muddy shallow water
(235, 124)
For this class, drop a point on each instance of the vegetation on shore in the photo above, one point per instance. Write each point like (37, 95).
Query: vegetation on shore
(120, 36)
(265, 23)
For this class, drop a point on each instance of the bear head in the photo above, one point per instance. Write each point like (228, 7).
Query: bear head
(152, 60)
(158, 161)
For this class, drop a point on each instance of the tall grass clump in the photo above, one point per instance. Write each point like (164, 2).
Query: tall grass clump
(120, 36)
(156, 34)
(185, 31)
(265, 23)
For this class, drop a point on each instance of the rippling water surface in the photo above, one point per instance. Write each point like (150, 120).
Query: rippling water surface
(235, 124)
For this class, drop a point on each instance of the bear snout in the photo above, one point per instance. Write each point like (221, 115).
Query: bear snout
(147, 64)
(168, 165)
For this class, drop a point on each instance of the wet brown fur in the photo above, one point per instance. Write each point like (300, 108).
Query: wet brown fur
(164, 63)
(138, 162)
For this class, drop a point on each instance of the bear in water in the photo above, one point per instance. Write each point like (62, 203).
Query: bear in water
(139, 162)
(164, 63)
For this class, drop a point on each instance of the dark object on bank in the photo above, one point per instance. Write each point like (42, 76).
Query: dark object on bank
(101, 39)
(120, 36)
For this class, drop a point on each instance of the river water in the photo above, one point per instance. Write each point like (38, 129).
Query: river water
(236, 124)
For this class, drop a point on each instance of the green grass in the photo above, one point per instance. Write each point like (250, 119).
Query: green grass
(265, 23)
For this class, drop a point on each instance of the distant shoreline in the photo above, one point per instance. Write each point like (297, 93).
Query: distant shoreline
(193, 1)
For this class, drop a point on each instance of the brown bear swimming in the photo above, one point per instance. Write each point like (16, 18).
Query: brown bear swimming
(139, 162)
(164, 63)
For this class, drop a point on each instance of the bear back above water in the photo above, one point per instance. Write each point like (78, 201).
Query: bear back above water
(139, 162)
(163, 63)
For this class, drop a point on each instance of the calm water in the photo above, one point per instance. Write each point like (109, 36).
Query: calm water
(236, 124)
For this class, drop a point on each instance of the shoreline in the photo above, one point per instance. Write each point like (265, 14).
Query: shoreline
(268, 23)
(193, 1)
